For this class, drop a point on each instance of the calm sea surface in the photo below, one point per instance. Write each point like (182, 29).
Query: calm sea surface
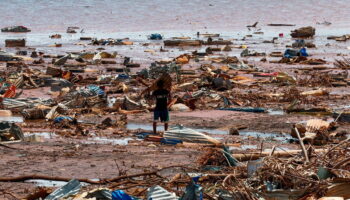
(132, 18)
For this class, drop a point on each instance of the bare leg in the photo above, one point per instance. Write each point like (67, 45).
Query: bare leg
(166, 126)
(155, 127)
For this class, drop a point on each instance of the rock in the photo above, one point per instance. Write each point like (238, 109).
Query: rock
(303, 32)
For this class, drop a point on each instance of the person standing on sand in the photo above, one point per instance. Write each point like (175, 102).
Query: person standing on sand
(161, 111)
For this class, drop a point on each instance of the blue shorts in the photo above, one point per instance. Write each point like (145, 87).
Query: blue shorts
(163, 115)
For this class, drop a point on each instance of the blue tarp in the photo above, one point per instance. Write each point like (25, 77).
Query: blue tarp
(121, 195)
(290, 53)
(61, 118)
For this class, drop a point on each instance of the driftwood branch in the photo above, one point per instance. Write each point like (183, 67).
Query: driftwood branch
(302, 146)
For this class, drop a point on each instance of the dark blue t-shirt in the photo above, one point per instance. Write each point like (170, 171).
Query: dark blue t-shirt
(161, 96)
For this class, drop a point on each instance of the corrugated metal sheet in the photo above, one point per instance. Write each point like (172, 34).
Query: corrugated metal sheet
(89, 91)
(71, 188)
(89, 96)
(159, 193)
(10, 103)
(188, 135)
(13, 103)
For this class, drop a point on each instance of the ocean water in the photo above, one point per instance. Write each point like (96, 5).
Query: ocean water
(168, 15)
(135, 19)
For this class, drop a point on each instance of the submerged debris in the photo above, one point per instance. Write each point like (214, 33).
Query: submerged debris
(20, 29)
